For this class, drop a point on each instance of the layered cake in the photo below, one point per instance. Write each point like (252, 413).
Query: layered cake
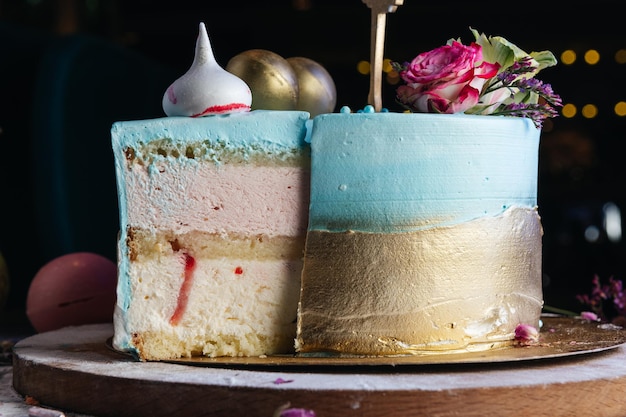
(213, 216)
(213, 219)
(424, 234)
(391, 234)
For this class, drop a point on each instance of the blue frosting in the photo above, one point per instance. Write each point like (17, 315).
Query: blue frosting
(394, 172)
(268, 130)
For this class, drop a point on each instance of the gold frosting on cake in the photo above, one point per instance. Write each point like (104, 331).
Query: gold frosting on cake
(462, 287)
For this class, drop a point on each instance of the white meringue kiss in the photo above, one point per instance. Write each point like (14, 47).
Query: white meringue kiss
(206, 88)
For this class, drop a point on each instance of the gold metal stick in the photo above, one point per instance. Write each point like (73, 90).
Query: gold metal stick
(380, 8)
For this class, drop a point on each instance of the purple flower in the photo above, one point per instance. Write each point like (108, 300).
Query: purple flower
(278, 381)
(297, 412)
(286, 410)
(589, 316)
(526, 334)
(607, 301)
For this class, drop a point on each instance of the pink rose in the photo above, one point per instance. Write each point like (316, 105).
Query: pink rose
(448, 79)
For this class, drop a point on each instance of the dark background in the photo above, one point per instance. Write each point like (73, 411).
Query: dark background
(90, 63)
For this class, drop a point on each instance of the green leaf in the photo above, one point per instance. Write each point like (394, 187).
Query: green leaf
(498, 49)
(544, 59)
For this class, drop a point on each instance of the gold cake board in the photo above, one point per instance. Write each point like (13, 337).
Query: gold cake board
(578, 369)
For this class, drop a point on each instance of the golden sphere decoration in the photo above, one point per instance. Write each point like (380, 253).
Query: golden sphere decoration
(276, 83)
(271, 79)
(317, 91)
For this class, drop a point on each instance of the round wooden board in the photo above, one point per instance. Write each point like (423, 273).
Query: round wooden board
(73, 369)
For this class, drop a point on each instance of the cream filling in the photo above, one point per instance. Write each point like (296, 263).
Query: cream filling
(242, 304)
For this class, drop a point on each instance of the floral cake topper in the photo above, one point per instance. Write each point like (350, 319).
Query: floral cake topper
(491, 76)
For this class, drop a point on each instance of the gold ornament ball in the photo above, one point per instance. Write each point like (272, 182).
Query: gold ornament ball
(271, 79)
(4, 281)
(317, 91)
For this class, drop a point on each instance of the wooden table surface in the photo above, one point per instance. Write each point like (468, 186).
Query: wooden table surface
(73, 369)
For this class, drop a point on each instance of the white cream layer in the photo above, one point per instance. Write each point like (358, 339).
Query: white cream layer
(236, 307)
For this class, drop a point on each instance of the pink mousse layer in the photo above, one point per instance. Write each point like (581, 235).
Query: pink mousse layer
(222, 199)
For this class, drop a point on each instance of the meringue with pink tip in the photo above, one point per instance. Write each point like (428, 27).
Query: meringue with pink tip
(206, 88)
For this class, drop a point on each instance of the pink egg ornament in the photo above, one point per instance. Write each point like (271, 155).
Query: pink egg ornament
(72, 290)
